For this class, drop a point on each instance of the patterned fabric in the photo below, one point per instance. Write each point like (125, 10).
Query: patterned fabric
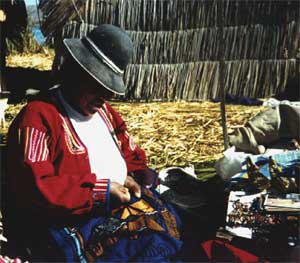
(287, 161)
(35, 148)
(100, 192)
(146, 229)
(73, 143)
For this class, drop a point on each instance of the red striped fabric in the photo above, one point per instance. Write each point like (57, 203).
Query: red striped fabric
(100, 190)
(35, 144)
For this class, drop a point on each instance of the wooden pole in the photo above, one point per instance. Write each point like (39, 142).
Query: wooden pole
(220, 12)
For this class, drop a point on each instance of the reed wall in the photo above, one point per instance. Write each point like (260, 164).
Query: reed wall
(177, 44)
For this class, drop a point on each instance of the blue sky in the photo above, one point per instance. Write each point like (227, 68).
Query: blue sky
(30, 2)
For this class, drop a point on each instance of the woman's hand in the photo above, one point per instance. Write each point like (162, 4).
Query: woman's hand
(133, 186)
(120, 192)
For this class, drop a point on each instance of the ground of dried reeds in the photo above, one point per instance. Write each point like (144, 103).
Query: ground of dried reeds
(171, 133)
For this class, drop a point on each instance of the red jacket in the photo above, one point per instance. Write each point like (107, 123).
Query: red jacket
(48, 165)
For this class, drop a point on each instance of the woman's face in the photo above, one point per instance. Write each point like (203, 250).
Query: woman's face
(90, 95)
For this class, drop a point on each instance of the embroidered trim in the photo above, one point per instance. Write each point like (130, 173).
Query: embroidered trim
(73, 144)
(35, 145)
(100, 189)
(104, 114)
(78, 242)
(132, 144)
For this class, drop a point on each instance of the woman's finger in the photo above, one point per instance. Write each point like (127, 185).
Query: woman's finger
(133, 186)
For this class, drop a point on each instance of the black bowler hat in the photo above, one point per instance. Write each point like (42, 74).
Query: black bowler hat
(104, 53)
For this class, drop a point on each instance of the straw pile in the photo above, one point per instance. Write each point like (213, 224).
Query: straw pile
(181, 133)
(41, 61)
(176, 133)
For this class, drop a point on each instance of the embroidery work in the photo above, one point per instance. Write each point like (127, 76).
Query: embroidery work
(108, 114)
(128, 222)
(73, 144)
(79, 242)
(138, 208)
(170, 221)
(36, 145)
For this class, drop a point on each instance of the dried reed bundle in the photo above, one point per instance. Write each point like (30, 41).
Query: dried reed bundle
(176, 45)
(157, 15)
(199, 81)
(166, 15)
(182, 46)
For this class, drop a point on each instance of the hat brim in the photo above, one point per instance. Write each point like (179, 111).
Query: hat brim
(95, 67)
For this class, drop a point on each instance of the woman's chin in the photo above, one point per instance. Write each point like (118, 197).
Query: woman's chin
(92, 110)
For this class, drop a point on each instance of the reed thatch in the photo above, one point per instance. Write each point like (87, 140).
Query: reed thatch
(57, 13)
(177, 45)
(199, 81)
(243, 42)
(169, 15)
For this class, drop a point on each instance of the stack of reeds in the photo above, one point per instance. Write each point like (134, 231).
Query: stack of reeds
(170, 15)
(197, 81)
(166, 15)
(241, 42)
(176, 44)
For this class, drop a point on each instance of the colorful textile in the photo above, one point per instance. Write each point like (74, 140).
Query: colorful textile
(147, 229)
(287, 161)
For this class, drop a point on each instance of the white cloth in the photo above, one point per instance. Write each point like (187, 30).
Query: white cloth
(274, 103)
(105, 157)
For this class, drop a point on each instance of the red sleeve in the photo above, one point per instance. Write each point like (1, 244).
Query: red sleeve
(60, 192)
(34, 179)
(134, 156)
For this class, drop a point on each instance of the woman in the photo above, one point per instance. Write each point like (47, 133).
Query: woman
(75, 174)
